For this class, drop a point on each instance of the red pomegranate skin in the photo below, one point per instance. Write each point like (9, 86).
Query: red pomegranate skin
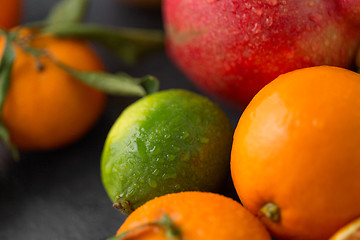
(233, 48)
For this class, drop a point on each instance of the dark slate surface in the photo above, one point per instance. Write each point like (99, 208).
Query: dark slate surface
(58, 194)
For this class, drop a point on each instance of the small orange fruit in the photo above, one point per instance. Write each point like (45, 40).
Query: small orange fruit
(9, 13)
(45, 107)
(295, 158)
(192, 216)
(350, 231)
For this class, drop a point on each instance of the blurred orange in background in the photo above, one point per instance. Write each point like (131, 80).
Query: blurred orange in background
(45, 107)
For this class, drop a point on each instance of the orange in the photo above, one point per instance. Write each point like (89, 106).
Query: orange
(9, 13)
(350, 231)
(295, 159)
(194, 216)
(46, 108)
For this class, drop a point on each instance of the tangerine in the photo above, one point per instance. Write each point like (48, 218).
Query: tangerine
(10, 12)
(295, 159)
(45, 107)
(193, 216)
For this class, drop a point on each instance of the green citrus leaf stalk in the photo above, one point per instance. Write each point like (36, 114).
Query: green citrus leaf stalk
(68, 11)
(6, 63)
(129, 44)
(171, 230)
(120, 84)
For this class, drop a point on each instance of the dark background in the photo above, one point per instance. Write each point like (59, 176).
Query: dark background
(58, 194)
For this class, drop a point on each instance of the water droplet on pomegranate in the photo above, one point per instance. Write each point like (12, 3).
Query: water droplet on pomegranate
(264, 38)
(258, 11)
(256, 29)
(245, 18)
(269, 21)
(272, 2)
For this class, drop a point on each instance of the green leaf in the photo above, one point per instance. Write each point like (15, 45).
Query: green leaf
(68, 11)
(6, 63)
(5, 138)
(113, 238)
(128, 44)
(171, 230)
(116, 84)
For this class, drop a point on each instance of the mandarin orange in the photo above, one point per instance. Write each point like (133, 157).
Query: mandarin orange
(45, 107)
(295, 158)
(193, 216)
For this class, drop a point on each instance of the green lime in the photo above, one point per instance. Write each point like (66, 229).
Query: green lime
(167, 142)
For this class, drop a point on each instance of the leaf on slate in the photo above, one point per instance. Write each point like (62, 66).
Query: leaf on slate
(5, 138)
(68, 11)
(113, 238)
(128, 44)
(116, 84)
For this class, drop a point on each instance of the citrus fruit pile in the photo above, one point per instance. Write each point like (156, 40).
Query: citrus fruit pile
(295, 163)
(294, 157)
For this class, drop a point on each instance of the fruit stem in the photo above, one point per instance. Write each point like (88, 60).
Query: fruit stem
(123, 205)
(171, 230)
(23, 43)
(39, 65)
(271, 211)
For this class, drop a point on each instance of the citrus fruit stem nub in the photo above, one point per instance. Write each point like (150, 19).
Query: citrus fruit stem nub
(40, 66)
(171, 230)
(271, 211)
(123, 205)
